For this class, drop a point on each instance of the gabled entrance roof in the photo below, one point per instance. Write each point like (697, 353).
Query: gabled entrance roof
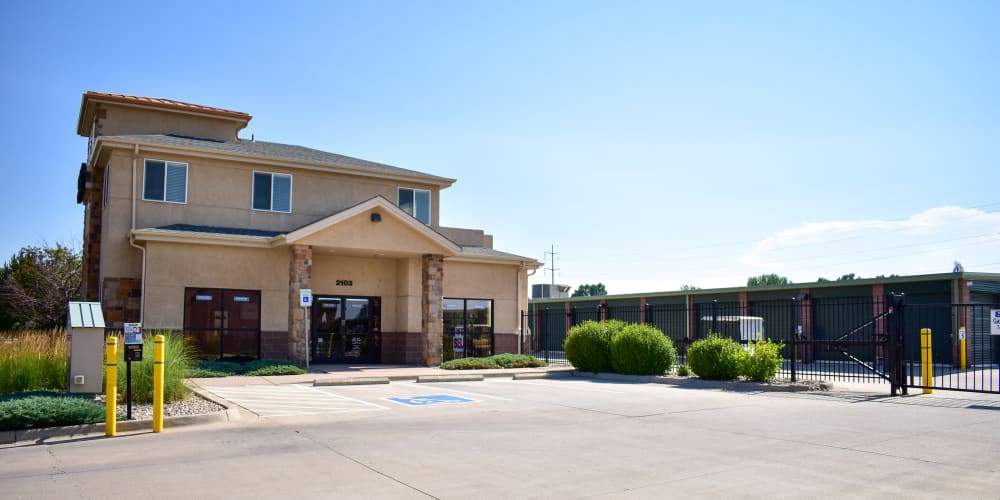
(375, 227)
(353, 231)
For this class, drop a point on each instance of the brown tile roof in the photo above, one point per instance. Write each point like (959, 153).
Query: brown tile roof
(274, 150)
(164, 103)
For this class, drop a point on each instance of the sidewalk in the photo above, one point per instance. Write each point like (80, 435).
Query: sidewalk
(321, 374)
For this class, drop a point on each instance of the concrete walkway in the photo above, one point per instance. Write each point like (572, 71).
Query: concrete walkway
(323, 374)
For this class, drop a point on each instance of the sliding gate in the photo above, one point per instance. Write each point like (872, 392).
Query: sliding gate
(838, 340)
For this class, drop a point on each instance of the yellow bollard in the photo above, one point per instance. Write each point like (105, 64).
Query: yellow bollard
(111, 386)
(158, 384)
(961, 348)
(926, 360)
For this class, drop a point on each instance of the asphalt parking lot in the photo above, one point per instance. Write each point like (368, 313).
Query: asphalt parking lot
(566, 438)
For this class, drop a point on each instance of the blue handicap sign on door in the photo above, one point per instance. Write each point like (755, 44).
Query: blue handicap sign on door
(430, 400)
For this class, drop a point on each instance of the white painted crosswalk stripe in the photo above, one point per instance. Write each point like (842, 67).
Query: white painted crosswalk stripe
(292, 399)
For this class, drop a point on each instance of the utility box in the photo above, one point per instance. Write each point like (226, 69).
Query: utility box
(85, 335)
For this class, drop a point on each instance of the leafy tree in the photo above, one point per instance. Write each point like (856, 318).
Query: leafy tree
(768, 280)
(587, 290)
(687, 288)
(36, 284)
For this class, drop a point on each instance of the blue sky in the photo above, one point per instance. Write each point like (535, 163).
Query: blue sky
(654, 144)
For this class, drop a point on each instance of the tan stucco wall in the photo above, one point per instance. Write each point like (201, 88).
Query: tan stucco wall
(122, 120)
(486, 281)
(220, 193)
(359, 233)
(170, 267)
(408, 294)
(118, 258)
(368, 277)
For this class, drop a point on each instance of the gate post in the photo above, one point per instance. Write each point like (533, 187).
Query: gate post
(895, 352)
(795, 348)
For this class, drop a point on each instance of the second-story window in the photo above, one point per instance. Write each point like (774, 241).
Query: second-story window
(416, 202)
(272, 192)
(165, 181)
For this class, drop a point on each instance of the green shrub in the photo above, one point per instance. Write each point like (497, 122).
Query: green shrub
(715, 357)
(272, 370)
(642, 349)
(178, 357)
(253, 368)
(683, 371)
(762, 362)
(469, 364)
(517, 361)
(588, 345)
(38, 409)
(31, 360)
(496, 361)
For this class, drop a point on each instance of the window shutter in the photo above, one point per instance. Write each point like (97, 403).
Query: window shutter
(176, 182)
(422, 207)
(281, 197)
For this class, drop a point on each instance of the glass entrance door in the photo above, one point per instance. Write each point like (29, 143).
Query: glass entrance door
(344, 330)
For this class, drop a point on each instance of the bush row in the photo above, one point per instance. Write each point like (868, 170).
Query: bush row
(619, 347)
(38, 409)
(496, 361)
(254, 368)
(720, 358)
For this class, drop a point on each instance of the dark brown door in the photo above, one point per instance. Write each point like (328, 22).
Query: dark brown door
(223, 323)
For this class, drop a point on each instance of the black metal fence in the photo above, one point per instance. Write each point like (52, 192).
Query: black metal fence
(854, 340)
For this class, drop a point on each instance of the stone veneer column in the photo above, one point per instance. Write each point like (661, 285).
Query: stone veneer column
(431, 308)
(299, 277)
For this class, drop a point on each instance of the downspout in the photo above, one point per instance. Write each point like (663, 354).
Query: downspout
(131, 240)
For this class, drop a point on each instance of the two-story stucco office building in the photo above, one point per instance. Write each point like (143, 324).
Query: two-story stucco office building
(189, 227)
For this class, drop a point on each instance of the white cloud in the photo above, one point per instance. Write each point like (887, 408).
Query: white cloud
(926, 242)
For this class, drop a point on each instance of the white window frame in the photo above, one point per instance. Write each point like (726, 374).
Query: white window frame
(430, 202)
(166, 170)
(291, 189)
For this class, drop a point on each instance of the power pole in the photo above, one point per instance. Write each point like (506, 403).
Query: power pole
(553, 267)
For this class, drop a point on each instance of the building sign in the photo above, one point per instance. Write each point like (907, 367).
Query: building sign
(995, 322)
(458, 342)
(133, 333)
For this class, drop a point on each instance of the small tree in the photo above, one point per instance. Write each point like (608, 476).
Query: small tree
(768, 280)
(36, 284)
(587, 290)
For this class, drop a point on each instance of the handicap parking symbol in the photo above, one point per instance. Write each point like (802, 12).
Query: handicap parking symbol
(430, 400)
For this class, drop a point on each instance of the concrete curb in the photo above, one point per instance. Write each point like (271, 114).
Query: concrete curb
(38, 436)
(725, 385)
(352, 381)
(543, 375)
(458, 377)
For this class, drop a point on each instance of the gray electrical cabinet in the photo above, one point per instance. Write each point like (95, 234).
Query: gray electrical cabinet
(85, 335)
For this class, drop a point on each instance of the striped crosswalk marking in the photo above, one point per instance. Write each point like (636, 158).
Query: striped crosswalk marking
(269, 401)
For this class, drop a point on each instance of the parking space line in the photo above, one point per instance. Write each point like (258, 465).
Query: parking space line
(449, 389)
(290, 400)
(561, 386)
(341, 396)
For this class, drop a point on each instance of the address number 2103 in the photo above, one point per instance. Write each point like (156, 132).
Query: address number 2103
(345, 283)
